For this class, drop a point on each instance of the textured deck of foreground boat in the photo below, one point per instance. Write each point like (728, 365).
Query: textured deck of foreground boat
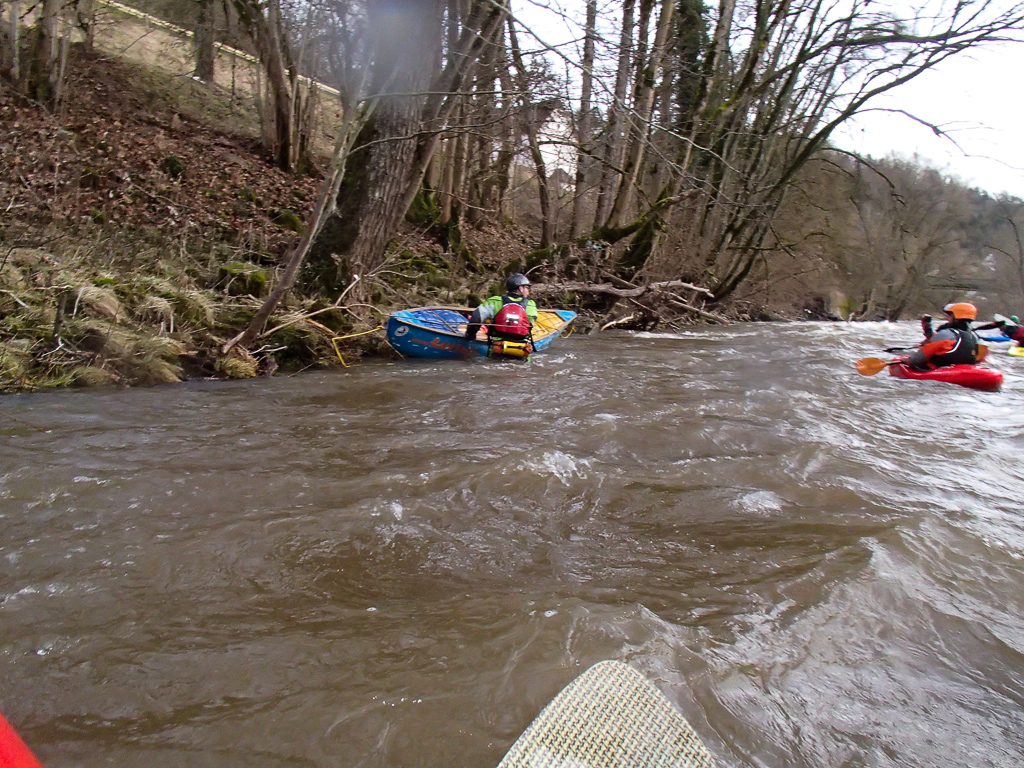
(609, 717)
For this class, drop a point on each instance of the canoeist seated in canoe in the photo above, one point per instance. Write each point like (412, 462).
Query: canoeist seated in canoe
(511, 316)
(952, 343)
(1010, 327)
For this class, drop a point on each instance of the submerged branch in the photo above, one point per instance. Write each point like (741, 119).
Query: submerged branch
(611, 290)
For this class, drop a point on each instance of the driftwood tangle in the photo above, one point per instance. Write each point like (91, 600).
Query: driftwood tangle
(662, 290)
(611, 290)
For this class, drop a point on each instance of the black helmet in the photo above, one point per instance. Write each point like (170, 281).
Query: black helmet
(515, 281)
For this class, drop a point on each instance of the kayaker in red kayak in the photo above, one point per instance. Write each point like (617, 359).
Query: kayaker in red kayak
(952, 343)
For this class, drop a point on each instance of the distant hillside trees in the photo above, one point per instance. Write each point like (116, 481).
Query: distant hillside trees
(39, 74)
(283, 37)
(889, 239)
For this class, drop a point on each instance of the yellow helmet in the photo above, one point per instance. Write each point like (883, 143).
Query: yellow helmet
(961, 310)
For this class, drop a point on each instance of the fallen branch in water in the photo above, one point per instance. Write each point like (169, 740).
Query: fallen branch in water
(689, 308)
(335, 305)
(610, 290)
(619, 321)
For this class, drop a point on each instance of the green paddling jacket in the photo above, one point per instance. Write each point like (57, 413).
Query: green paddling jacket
(486, 311)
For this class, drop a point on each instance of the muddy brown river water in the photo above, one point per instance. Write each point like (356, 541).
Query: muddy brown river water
(399, 565)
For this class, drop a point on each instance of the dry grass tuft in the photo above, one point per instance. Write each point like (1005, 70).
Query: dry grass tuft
(91, 376)
(14, 362)
(195, 307)
(156, 310)
(238, 365)
(153, 360)
(99, 300)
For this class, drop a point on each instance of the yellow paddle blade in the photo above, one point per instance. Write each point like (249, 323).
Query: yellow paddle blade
(869, 366)
(982, 353)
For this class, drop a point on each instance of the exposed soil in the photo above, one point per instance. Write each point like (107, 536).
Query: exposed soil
(136, 236)
(123, 152)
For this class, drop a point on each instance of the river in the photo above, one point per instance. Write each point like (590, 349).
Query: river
(400, 564)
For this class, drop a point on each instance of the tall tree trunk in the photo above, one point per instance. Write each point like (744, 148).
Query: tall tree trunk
(507, 152)
(267, 31)
(482, 26)
(44, 77)
(485, 112)
(446, 190)
(530, 127)
(644, 107)
(459, 174)
(204, 37)
(611, 157)
(14, 42)
(404, 35)
(583, 125)
(277, 74)
(657, 176)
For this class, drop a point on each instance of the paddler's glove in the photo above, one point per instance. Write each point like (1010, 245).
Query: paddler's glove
(926, 325)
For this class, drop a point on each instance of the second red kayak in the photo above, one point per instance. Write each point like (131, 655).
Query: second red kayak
(973, 376)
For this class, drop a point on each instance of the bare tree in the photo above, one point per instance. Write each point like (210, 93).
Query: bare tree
(583, 122)
(205, 37)
(49, 54)
(530, 125)
(12, 49)
(1011, 245)
(777, 80)
(613, 139)
(647, 68)
(415, 102)
(289, 89)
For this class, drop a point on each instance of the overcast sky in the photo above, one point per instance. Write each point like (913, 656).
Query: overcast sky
(977, 97)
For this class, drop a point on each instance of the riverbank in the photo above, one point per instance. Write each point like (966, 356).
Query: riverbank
(143, 225)
(137, 237)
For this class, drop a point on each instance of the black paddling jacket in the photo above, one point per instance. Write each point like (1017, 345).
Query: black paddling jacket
(952, 344)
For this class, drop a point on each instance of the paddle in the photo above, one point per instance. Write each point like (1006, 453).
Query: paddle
(869, 366)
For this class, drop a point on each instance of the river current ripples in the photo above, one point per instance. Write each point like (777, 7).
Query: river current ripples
(400, 564)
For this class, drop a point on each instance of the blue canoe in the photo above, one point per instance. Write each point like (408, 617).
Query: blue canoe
(438, 332)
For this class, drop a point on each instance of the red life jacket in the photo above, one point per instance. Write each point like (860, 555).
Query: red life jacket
(512, 322)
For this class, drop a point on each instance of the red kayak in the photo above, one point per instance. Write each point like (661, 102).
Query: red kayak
(13, 752)
(973, 376)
